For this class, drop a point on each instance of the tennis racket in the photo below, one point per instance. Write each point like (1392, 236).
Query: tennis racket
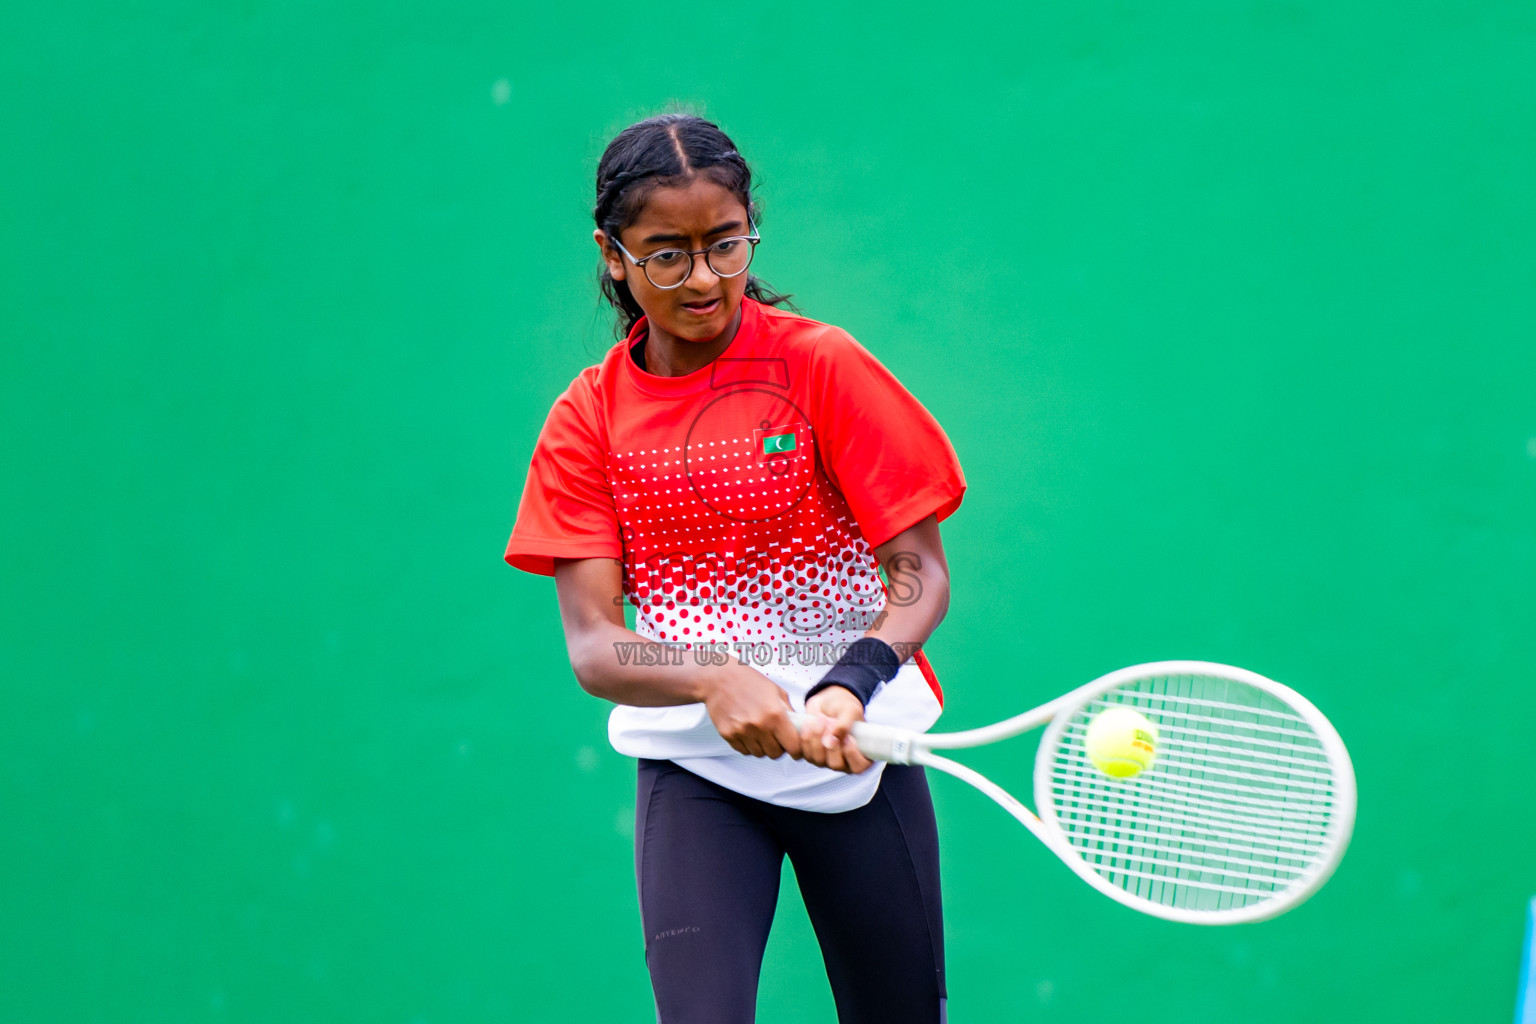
(1245, 812)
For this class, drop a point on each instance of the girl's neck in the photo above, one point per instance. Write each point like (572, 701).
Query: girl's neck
(669, 356)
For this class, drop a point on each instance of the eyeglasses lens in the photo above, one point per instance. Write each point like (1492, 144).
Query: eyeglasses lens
(730, 256)
(668, 269)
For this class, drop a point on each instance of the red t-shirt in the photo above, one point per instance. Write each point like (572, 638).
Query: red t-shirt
(795, 432)
(744, 499)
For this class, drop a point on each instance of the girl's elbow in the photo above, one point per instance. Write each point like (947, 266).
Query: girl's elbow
(588, 665)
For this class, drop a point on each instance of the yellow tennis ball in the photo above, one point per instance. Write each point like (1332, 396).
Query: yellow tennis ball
(1121, 742)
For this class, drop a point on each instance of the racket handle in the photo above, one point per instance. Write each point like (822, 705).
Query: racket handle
(876, 742)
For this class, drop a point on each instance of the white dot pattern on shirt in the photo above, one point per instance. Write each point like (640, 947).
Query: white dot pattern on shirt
(757, 557)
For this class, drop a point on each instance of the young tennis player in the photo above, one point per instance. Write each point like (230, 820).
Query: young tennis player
(737, 474)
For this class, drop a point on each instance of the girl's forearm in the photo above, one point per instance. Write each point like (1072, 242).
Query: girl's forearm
(917, 590)
(906, 627)
(620, 665)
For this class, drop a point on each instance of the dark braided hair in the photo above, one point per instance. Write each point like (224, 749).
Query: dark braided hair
(668, 149)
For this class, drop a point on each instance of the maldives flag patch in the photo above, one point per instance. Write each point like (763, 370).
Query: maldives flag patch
(779, 443)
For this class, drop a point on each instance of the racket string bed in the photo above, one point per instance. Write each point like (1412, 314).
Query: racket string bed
(1237, 807)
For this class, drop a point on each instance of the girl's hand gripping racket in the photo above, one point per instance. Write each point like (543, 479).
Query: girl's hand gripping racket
(1243, 811)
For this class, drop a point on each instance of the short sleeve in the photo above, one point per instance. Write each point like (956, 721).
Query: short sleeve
(885, 452)
(567, 508)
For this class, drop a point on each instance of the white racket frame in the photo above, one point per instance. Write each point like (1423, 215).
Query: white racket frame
(903, 746)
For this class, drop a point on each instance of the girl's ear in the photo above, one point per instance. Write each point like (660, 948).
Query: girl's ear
(611, 255)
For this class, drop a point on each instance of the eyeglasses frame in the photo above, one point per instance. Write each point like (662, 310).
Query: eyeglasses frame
(753, 239)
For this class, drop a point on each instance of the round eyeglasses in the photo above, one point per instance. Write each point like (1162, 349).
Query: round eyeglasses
(669, 268)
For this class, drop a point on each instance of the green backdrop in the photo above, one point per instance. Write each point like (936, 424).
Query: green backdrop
(1228, 308)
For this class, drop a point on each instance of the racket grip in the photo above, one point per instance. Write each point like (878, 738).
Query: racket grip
(876, 742)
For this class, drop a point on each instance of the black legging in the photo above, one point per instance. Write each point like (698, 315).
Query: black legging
(708, 862)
